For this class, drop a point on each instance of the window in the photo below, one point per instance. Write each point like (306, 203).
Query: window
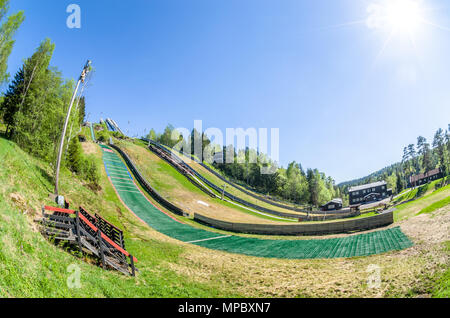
(331, 206)
(373, 189)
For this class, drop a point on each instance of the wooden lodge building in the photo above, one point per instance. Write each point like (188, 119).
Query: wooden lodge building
(371, 192)
(335, 204)
(423, 178)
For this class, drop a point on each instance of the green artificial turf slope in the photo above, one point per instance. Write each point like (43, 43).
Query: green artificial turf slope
(350, 246)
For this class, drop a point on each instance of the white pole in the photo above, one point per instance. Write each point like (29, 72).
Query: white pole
(61, 144)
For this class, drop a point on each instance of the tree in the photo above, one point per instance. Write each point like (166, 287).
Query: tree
(166, 137)
(400, 183)
(318, 192)
(36, 102)
(81, 110)
(447, 138)
(8, 29)
(74, 156)
(415, 165)
(152, 135)
(12, 99)
(425, 153)
(441, 150)
(27, 86)
(392, 182)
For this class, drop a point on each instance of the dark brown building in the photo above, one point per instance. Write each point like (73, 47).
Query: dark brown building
(335, 204)
(423, 178)
(371, 192)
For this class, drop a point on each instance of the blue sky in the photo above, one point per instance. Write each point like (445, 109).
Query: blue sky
(342, 103)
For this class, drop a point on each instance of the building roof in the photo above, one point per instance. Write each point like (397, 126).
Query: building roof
(367, 186)
(419, 176)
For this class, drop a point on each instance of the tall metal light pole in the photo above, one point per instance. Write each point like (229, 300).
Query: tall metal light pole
(85, 71)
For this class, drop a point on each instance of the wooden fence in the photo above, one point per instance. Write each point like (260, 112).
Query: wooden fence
(320, 228)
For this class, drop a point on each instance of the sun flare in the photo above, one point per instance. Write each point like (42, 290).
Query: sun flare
(404, 15)
(396, 16)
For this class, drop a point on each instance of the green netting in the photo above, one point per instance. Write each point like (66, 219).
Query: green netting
(349, 246)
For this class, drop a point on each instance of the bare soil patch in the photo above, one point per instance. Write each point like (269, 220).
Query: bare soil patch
(89, 147)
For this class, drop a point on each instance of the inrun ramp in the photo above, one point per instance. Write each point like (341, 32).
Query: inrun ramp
(350, 246)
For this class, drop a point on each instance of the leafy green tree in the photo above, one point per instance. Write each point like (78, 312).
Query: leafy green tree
(392, 182)
(8, 29)
(152, 135)
(166, 137)
(318, 192)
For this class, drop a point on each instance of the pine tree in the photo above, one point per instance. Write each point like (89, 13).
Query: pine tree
(74, 157)
(81, 110)
(12, 100)
(441, 150)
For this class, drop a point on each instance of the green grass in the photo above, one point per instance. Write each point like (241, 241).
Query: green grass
(441, 287)
(433, 200)
(436, 205)
(417, 192)
(31, 266)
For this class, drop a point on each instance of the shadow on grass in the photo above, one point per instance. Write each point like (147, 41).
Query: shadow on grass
(422, 190)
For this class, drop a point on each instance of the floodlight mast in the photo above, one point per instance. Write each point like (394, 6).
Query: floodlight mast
(86, 70)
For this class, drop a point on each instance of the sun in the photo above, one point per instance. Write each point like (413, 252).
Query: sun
(403, 16)
(396, 16)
